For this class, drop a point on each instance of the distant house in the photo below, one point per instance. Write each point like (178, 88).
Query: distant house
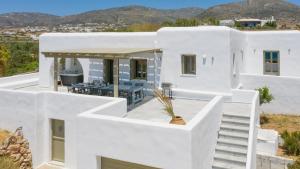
(248, 22)
(228, 22)
(252, 22)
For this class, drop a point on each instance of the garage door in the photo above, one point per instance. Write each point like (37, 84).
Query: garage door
(107, 163)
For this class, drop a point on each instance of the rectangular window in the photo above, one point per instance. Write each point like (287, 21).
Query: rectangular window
(271, 63)
(188, 64)
(138, 69)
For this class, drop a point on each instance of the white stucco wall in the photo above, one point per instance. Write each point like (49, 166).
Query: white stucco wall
(287, 42)
(149, 143)
(267, 142)
(284, 89)
(94, 127)
(17, 81)
(210, 43)
(236, 56)
(33, 112)
(204, 147)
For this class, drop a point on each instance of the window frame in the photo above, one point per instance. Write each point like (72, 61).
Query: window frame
(271, 59)
(134, 73)
(183, 65)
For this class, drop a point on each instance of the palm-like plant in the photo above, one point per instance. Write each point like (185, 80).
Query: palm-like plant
(166, 101)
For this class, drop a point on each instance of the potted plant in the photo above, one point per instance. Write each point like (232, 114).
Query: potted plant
(167, 103)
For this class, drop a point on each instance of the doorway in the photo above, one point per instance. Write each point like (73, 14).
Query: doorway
(108, 69)
(58, 140)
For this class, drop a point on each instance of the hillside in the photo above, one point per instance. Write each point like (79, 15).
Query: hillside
(127, 15)
(27, 19)
(280, 9)
(132, 14)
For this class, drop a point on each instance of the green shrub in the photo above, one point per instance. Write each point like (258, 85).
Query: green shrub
(7, 163)
(265, 95)
(291, 143)
(295, 165)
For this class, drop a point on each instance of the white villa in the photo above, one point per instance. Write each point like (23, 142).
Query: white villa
(102, 114)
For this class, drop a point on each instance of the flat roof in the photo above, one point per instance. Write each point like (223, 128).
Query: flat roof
(98, 52)
(248, 20)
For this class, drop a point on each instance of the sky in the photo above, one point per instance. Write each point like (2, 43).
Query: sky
(67, 7)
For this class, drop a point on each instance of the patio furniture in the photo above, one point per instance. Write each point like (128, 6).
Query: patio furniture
(167, 88)
(69, 78)
(131, 92)
(87, 88)
(140, 84)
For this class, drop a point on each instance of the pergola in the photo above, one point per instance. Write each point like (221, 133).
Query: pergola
(100, 53)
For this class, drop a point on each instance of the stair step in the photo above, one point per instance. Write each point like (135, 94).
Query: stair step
(230, 153)
(243, 122)
(236, 116)
(231, 158)
(233, 142)
(233, 150)
(233, 127)
(225, 165)
(239, 135)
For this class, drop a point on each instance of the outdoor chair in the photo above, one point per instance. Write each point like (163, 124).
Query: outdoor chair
(140, 84)
(167, 88)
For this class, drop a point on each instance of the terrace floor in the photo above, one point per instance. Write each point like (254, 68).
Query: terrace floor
(153, 110)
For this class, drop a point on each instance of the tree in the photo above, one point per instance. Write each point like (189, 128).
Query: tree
(4, 57)
(24, 57)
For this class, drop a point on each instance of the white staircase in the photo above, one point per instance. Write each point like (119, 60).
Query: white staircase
(232, 144)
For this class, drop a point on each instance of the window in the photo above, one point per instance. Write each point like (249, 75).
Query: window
(138, 69)
(188, 64)
(271, 63)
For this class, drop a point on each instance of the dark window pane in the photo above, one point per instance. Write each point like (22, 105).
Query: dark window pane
(275, 57)
(139, 69)
(267, 55)
(188, 64)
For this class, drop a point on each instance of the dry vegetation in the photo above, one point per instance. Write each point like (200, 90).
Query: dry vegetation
(281, 123)
(7, 163)
(3, 135)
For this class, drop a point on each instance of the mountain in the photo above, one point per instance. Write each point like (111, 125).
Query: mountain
(127, 15)
(27, 19)
(132, 14)
(280, 9)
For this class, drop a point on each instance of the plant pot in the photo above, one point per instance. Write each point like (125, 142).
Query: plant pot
(177, 120)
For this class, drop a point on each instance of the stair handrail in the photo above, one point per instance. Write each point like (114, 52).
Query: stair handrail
(251, 153)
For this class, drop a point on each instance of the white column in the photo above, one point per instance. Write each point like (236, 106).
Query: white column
(116, 77)
(55, 74)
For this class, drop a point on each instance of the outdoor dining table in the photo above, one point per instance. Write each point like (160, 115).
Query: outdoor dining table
(135, 92)
(86, 87)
